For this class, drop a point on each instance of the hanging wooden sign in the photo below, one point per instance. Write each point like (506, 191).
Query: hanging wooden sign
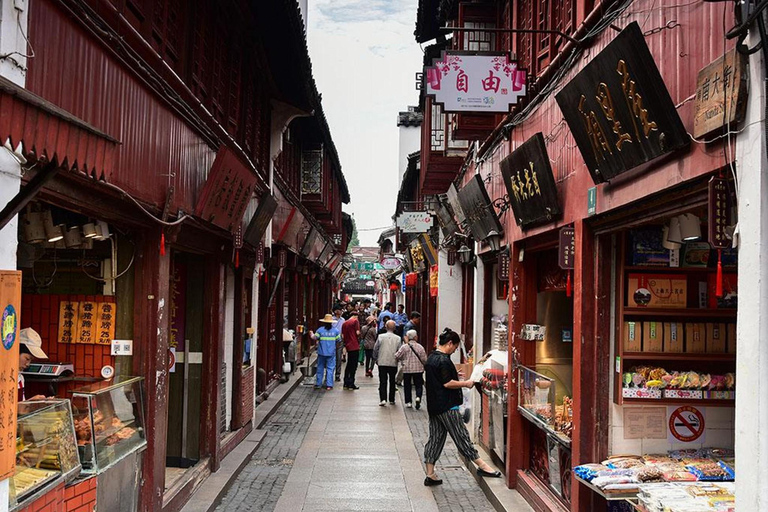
(530, 183)
(227, 191)
(10, 307)
(619, 110)
(502, 272)
(260, 220)
(433, 280)
(480, 213)
(719, 209)
(105, 323)
(721, 94)
(567, 247)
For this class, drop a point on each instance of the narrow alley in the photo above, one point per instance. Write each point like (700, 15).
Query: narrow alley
(339, 450)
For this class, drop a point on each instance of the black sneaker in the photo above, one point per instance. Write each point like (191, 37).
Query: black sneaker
(352, 388)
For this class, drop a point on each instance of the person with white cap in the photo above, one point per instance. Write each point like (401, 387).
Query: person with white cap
(30, 348)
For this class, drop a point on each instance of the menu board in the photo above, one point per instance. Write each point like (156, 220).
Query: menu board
(88, 322)
(10, 305)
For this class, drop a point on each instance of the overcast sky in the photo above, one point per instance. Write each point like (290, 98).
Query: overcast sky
(364, 58)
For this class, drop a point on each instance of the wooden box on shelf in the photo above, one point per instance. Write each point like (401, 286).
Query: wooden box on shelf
(730, 338)
(653, 334)
(716, 338)
(673, 337)
(633, 335)
(695, 338)
(657, 290)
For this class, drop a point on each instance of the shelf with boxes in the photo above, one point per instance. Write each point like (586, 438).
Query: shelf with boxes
(676, 340)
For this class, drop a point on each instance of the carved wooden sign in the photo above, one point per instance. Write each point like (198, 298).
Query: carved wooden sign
(619, 110)
(480, 213)
(227, 191)
(530, 184)
(721, 93)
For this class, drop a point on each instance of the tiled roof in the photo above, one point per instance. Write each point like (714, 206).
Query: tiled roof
(410, 118)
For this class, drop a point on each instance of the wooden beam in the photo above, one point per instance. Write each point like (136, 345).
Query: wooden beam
(28, 193)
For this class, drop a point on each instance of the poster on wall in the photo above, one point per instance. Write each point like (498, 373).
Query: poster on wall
(10, 305)
(88, 322)
(619, 109)
(530, 183)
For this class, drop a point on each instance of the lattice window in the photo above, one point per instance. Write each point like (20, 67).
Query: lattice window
(479, 41)
(437, 137)
(543, 40)
(525, 41)
(168, 20)
(312, 171)
(454, 144)
(235, 79)
(506, 39)
(337, 238)
(200, 56)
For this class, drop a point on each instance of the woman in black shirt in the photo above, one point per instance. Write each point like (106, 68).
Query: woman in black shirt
(443, 401)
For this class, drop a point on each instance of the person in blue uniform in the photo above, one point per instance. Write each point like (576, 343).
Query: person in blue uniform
(326, 336)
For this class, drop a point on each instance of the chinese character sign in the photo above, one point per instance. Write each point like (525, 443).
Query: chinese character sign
(487, 82)
(567, 247)
(721, 93)
(619, 110)
(10, 306)
(227, 191)
(719, 209)
(89, 322)
(530, 183)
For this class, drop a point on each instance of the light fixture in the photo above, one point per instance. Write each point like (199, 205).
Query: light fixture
(493, 240)
(465, 253)
(89, 230)
(72, 238)
(102, 230)
(52, 233)
(673, 235)
(690, 227)
(666, 242)
(33, 228)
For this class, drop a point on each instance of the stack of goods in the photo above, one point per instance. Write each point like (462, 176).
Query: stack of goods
(493, 378)
(500, 336)
(650, 382)
(687, 497)
(624, 473)
(564, 417)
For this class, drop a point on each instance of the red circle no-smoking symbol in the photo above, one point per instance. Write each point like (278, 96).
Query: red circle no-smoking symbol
(686, 424)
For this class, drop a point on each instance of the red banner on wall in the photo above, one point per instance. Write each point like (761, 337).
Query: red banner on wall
(433, 272)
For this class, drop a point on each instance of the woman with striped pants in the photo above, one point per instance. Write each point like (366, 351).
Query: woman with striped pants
(443, 401)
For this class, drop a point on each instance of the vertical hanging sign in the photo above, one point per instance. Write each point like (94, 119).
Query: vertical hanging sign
(567, 253)
(719, 213)
(10, 305)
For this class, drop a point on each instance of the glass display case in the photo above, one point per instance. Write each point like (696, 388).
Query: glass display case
(46, 451)
(109, 421)
(537, 402)
(498, 406)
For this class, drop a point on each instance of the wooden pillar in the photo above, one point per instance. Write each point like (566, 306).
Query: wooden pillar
(522, 310)
(152, 314)
(241, 303)
(587, 385)
(213, 357)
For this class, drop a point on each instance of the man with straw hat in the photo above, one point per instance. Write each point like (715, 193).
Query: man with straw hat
(327, 336)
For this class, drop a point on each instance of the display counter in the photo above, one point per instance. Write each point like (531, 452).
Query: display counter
(537, 404)
(46, 451)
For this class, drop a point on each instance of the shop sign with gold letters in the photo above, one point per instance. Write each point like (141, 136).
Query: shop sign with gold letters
(619, 110)
(530, 184)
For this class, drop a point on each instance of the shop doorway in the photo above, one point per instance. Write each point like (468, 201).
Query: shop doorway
(185, 382)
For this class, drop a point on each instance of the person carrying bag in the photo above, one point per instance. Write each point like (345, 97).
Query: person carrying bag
(412, 356)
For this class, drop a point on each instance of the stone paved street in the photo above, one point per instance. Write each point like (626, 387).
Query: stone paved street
(338, 450)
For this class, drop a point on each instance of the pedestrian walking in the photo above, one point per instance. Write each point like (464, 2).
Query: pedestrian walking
(327, 338)
(401, 319)
(369, 333)
(443, 401)
(338, 324)
(413, 357)
(350, 332)
(414, 320)
(384, 354)
(385, 316)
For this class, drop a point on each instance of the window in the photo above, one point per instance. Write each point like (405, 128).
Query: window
(479, 41)
(312, 171)
(437, 137)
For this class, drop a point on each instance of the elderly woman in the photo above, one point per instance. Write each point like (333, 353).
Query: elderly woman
(368, 335)
(443, 401)
(413, 357)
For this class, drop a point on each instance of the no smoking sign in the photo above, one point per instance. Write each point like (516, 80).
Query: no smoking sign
(686, 424)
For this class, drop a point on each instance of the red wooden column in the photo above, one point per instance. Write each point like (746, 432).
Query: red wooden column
(213, 356)
(522, 310)
(586, 365)
(150, 359)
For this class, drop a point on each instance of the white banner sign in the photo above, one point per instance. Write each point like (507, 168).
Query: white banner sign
(488, 82)
(390, 263)
(414, 222)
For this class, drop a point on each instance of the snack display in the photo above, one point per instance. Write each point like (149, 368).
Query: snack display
(676, 384)
(46, 452)
(108, 421)
(686, 497)
(537, 394)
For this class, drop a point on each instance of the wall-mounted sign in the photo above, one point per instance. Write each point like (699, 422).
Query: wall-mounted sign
(429, 250)
(481, 215)
(533, 332)
(452, 195)
(686, 424)
(566, 249)
(719, 209)
(390, 263)
(433, 280)
(417, 257)
(475, 82)
(90, 322)
(502, 271)
(619, 109)
(260, 220)
(591, 201)
(721, 94)
(227, 191)
(414, 222)
(445, 218)
(530, 184)
(10, 306)
(121, 348)
(309, 242)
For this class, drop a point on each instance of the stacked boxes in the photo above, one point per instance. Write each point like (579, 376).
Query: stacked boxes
(679, 337)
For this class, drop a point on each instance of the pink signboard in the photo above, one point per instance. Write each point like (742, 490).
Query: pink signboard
(472, 82)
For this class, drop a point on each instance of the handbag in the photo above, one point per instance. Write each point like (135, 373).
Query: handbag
(416, 354)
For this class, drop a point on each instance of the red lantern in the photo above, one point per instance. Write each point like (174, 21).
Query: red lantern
(394, 287)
